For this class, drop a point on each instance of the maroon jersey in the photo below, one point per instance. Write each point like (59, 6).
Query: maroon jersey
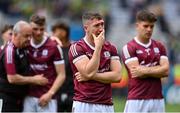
(43, 58)
(147, 55)
(9, 59)
(92, 91)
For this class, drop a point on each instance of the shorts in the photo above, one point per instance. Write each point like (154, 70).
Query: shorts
(90, 107)
(145, 106)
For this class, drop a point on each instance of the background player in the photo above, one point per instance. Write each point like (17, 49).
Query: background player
(146, 62)
(45, 57)
(65, 94)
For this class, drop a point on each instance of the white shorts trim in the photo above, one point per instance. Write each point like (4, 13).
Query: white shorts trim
(82, 107)
(1, 105)
(152, 105)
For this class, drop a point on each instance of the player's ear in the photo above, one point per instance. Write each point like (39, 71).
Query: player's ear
(85, 27)
(136, 25)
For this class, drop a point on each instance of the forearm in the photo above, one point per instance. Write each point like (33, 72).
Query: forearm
(92, 67)
(107, 77)
(155, 71)
(57, 84)
(20, 80)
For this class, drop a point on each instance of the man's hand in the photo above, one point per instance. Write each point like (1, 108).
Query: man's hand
(80, 77)
(44, 99)
(136, 71)
(99, 40)
(40, 80)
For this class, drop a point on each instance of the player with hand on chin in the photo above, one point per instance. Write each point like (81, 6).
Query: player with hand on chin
(95, 64)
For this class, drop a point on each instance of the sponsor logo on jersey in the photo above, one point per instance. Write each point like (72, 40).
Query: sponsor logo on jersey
(40, 67)
(139, 51)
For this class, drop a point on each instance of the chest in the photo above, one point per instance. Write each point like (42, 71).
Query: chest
(105, 57)
(41, 55)
(148, 56)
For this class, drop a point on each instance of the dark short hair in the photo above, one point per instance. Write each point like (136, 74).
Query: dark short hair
(146, 16)
(38, 19)
(6, 28)
(61, 25)
(91, 15)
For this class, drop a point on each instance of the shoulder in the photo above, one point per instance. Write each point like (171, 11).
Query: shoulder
(129, 45)
(158, 43)
(110, 45)
(77, 44)
(51, 43)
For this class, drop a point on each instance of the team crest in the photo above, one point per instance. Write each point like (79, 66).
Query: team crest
(107, 54)
(35, 54)
(156, 50)
(45, 52)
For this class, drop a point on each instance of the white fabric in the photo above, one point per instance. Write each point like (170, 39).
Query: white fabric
(31, 105)
(1, 104)
(82, 107)
(145, 106)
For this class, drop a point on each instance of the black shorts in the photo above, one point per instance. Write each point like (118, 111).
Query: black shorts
(10, 103)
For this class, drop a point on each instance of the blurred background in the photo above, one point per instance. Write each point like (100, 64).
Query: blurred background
(119, 17)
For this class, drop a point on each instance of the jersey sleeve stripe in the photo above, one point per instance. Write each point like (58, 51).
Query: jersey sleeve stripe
(78, 58)
(59, 62)
(131, 59)
(9, 54)
(115, 58)
(60, 50)
(126, 52)
(164, 57)
(73, 50)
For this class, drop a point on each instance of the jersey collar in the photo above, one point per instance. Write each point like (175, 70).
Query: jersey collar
(85, 40)
(144, 45)
(38, 45)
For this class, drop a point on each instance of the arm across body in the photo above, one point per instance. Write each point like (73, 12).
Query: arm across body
(89, 67)
(157, 71)
(112, 76)
(21, 80)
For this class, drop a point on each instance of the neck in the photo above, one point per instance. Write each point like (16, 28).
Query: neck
(143, 40)
(37, 41)
(65, 43)
(90, 40)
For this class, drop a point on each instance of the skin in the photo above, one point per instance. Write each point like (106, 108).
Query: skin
(37, 32)
(61, 35)
(145, 30)
(7, 36)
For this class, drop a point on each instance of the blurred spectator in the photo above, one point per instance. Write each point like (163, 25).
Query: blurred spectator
(6, 34)
(65, 94)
